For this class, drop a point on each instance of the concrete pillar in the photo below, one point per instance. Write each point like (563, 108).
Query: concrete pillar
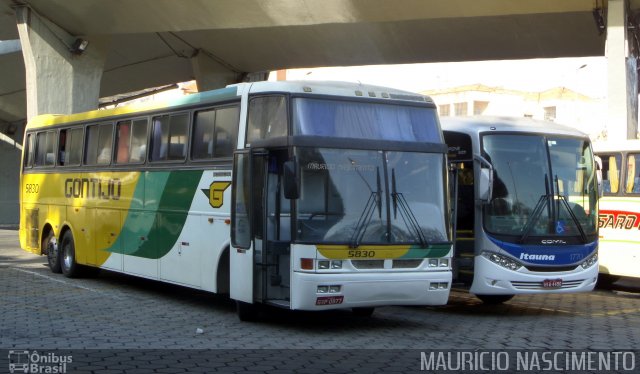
(622, 92)
(10, 153)
(211, 74)
(60, 78)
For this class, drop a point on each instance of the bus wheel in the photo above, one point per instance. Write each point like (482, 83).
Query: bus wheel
(68, 256)
(494, 299)
(50, 245)
(247, 312)
(363, 312)
(606, 281)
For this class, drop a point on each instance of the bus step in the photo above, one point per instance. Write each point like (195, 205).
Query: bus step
(279, 303)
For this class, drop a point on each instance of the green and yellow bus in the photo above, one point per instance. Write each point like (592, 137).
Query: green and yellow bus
(303, 195)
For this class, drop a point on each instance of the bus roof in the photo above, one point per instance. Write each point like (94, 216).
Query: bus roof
(234, 92)
(617, 145)
(481, 124)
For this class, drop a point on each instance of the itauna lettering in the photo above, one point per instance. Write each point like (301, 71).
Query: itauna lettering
(93, 188)
(618, 220)
(526, 256)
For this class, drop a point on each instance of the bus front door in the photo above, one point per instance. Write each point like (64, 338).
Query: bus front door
(275, 237)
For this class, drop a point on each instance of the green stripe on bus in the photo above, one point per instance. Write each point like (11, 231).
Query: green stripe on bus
(160, 225)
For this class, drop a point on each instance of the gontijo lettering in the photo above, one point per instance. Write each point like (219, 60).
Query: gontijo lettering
(93, 188)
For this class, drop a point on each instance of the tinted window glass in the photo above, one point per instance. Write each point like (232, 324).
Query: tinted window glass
(632, 185)
(267, 118)
(45, 148)
(215, 133)
(98, 146)
(70, 147)
(28, 152)
(131, 142)
(611, 164)
(169, 140)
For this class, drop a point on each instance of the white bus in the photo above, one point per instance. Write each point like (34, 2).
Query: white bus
(526, 207)
(307, 196)
(619, 215)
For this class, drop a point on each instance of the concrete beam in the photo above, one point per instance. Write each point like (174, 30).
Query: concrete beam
(211, 74)
(622, 73)
(60, 78)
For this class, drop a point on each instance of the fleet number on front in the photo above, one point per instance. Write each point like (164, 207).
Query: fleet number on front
(357, 253)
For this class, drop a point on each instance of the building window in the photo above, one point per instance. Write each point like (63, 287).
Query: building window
(479, 107)
(460, 109)
(550, 113)
(444, 110)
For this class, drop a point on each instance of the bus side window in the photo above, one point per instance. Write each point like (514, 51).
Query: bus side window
(611, 164)
(215, 133)
(73, 149)
(62, 138)
(70, 147)
(139, 131)
(633, 176)
(28, 152)
(123, 141)
(169, 139)
(267, 118)
(98, 146)
(45, 148)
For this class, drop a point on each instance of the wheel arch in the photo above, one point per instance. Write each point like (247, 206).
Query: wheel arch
(223, 274)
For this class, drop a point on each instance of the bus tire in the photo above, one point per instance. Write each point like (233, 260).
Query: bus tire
(70, 267)
(606, 281)
(50, 246)
(247, 312)
(494, 299)
(363, 311)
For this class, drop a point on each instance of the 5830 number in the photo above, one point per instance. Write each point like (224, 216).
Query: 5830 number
(357, 253)
(31, 188)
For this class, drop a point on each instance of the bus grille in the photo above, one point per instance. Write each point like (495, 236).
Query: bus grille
(379, 264)
(368, 264)
(538, 285)
(407, 264)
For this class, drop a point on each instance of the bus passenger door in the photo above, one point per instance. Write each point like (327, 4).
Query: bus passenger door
(275, 238)
(241, 254)
(465, 221)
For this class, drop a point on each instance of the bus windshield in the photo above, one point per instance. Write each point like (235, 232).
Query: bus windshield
(359, 197)
(542, 186)
(365, 120)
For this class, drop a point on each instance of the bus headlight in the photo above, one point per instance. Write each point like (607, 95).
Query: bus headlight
(438, 262)
(590, 261)
(503, 261)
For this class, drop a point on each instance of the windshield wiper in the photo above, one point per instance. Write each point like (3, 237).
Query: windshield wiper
(573, 216)
(373, 202)
(407, 215)
(537, 210)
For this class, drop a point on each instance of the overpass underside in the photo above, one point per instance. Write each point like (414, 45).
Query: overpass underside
(136, 44)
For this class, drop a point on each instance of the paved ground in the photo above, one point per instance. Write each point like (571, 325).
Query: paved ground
(122, 323)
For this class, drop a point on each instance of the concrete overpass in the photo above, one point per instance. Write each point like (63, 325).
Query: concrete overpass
(135, 44)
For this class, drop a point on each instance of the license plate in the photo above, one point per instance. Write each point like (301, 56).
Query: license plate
(329, 300)
(552, 283)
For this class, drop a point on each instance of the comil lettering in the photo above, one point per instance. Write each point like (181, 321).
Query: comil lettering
(526, 256)
(93, 188)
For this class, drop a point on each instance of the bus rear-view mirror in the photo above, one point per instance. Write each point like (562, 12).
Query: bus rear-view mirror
(485, 184)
